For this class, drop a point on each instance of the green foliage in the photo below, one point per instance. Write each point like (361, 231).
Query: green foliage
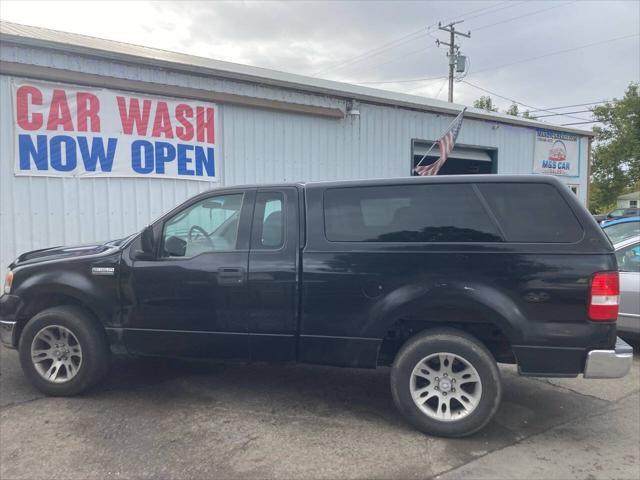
(485, 103)
(512, 110)
(615, 167)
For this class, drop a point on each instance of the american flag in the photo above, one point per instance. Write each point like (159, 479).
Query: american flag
(446, 143)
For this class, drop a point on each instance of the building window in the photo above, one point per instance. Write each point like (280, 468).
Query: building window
(461, 161)
(574, 189)
(633, 203)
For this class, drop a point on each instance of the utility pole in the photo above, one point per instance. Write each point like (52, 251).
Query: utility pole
(453, 50)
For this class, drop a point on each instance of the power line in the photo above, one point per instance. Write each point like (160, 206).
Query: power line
(579, 123)
(395, 59)
(440, 89)
(409, 80)
(563, 114)
(524, 15)
(517, 102)
(558, 52)
(375, 51)
(407, 38)
(428, 79)
(576, 105)
(488, 10)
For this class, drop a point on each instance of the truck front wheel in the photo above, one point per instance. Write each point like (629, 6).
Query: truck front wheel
(63, 352)
(446, 383)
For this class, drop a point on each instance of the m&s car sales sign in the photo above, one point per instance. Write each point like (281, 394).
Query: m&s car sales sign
(556, 153)
(70, 131)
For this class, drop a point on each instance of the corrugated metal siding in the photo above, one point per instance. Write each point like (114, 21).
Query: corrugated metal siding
(257, 146)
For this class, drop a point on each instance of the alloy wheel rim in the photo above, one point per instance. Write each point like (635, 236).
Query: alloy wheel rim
(445, 386)
(56, 354)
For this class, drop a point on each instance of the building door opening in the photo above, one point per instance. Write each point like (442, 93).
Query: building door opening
(461, 161)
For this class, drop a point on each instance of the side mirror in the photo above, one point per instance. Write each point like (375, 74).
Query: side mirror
(146, 245)
(146, 239)
(175, 246)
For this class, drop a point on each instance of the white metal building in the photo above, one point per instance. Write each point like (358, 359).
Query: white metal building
(98, 137)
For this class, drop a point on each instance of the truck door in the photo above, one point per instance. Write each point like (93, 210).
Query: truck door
(272, 294)
(190, 299)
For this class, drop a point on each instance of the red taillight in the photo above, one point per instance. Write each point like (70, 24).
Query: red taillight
(604, 297)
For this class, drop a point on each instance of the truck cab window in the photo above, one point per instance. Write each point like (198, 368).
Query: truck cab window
(268, 231)
(210, 225)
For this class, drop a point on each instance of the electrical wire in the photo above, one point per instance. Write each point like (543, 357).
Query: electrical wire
(441, 87)
(427, 79)
(375, 51)
(522, 16)
(464, 16)
(575, 105)
(413, 36)
(558, 52)
(517, 102)
(496, 67)
(579, 123)
(395, 59)
(561, 114)
(445, 81)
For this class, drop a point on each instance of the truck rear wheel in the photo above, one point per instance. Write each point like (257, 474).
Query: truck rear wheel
(446, 383)
(63, 352)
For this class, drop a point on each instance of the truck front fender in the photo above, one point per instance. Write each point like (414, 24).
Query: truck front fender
(42, 287)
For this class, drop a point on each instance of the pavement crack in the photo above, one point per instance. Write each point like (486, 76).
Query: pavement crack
(569, 389)
(603, 411)
(18, 404)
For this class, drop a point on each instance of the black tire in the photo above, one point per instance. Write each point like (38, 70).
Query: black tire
(463, 345)
(93, 342)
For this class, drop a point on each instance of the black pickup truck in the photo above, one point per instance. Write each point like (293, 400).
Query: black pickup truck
(440, 278)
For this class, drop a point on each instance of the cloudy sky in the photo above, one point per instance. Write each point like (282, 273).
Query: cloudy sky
(544, 54)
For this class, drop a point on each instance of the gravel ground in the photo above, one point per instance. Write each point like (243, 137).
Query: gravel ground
(169, 419)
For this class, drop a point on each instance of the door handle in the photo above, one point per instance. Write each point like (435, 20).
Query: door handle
(230, 276)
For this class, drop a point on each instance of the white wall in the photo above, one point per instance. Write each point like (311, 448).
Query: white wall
(256, 146)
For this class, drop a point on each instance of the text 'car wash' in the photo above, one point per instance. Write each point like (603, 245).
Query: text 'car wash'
(88, 132)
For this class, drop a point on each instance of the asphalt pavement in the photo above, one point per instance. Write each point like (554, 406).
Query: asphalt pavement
(174, 419)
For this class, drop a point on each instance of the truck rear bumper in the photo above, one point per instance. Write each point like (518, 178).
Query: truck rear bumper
(609, 363)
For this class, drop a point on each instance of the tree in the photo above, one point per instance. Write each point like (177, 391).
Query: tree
(512, 110)
(615, 167)
(526, 114)
(485, 103)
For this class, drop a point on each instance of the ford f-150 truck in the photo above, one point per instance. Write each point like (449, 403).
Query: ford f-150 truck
(439, 278)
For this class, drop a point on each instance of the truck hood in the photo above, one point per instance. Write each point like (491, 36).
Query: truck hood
(60, 253)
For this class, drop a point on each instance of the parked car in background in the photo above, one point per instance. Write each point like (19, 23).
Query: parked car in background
(617, 213)
(621, 229)
(628, 256)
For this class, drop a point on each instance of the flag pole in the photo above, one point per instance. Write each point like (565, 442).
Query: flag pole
(425, 155)
(434, 143)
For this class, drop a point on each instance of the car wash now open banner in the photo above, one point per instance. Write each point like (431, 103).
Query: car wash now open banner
(70, 131)
(556, 153)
